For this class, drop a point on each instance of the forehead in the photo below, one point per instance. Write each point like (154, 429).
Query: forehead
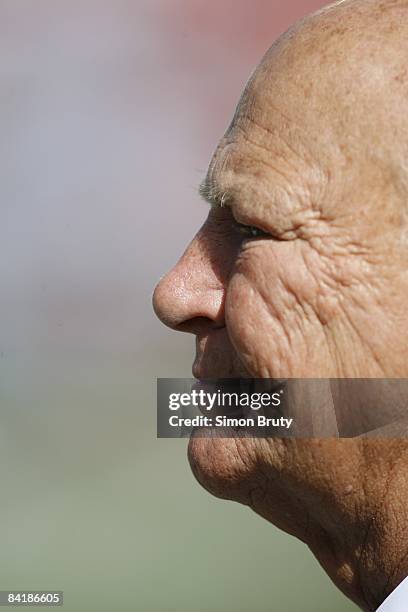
(307, 117)
(283, 133)
(265, 157)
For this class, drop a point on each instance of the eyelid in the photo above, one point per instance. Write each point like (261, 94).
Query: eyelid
(250, 231)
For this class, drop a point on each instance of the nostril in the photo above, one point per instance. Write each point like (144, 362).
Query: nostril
(176, 314)
(197, 325)
(189, 302)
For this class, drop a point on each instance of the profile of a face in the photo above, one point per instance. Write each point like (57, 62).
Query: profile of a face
(301, 271)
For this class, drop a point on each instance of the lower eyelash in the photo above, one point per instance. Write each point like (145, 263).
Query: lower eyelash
(250, 231)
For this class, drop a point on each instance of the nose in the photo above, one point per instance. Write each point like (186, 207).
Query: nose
(191, 296)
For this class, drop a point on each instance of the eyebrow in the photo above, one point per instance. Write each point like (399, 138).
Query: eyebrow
(211, 193)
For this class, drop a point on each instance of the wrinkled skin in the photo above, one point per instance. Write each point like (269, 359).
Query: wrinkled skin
(315, 158)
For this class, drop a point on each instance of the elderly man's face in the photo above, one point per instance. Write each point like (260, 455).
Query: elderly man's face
(301, 271)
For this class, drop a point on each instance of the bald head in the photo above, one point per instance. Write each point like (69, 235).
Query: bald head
(345, 65)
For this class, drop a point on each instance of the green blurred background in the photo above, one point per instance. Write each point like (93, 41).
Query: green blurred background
(109, 113)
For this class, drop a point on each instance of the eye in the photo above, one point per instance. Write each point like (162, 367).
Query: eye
(249, 231)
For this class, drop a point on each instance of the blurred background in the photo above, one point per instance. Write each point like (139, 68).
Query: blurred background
(110, 111)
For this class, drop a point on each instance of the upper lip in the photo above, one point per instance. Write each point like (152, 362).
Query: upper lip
(268, 384)
(215, 356)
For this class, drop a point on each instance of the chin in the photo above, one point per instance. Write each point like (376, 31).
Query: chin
(225, 467)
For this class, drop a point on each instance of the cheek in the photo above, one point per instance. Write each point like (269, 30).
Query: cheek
(270, 311)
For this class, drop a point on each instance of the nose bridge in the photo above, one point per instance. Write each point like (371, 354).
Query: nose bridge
(190, 290)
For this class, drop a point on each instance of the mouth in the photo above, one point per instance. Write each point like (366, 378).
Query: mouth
(240, 393)
(218, 364)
